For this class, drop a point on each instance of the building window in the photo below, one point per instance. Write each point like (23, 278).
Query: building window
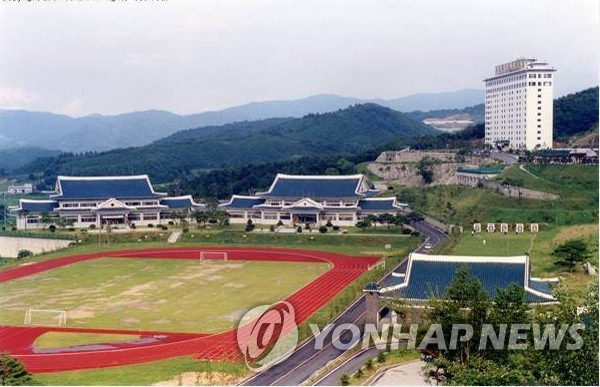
(150, 216)
(236, 215)
(270, 215)
(88, 220)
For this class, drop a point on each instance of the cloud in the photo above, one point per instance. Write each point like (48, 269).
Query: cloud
(16, 98)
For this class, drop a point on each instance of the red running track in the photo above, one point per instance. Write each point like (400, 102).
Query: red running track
(152, 346)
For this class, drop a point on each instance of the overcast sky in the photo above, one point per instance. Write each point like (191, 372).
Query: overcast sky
(83, 57)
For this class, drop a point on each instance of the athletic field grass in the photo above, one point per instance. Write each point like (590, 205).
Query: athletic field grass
(62, 339)
(155, 294)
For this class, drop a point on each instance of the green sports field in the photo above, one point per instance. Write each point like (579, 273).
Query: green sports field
(155, 294)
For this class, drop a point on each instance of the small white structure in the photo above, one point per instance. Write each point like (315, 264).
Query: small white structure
(534, 227)
(477, 227)
(491, 227)
(20, 189)
(519, 228)
(503, 227)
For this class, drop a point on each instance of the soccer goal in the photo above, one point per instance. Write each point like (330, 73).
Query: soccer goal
(213, 255)
(45, 317)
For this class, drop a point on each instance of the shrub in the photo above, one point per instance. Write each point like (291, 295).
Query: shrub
(185, 229)
(272, 228)
(150, 225)
(415, 233)
(299, 229)
(133, 226)
(381, 358)
(359, 374)
(163, 227)
(406, 231)
(307, 226)
(329, 224)
(92, 226)
(250, 226)
(280, 223)
(344, 380)
(369, 364)
(226, 222)
(336, 228)
(171, 223)
(52, 228)
(322, 229)
(212, 221)
(24, 254)
(249, 222)
(71, 229)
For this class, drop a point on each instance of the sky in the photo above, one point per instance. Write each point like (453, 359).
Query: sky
(79, 57)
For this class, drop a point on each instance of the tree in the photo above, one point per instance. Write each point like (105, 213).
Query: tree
(386, 219)
(363, 225)
(13, 372)
(45, 219)
(571, 253)
(201, 217)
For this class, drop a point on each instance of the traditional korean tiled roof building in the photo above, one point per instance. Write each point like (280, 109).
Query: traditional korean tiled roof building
(299, 199)
(117, 200)
(423, 276)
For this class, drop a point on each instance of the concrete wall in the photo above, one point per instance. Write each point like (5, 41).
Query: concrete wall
(10, 246)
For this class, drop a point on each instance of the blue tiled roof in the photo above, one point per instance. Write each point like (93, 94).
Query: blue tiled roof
(315, 187)
(38, 205)
(430, 277)
(541, 286)
(178, 202)
(392, 281)
(105, 187)
(377, 204)
(243, 202)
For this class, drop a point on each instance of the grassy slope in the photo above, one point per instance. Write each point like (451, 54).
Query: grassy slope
(160, 295)
(576, 185)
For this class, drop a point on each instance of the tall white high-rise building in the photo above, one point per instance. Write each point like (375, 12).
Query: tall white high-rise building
(518, 105)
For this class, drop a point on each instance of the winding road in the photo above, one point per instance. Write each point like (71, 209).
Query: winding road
(305, 361)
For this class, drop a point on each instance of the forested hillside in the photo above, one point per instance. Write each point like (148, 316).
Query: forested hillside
(576, 113)
(347, 131)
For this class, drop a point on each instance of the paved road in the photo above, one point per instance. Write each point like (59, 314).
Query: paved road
(506, 158)
(408, 374)
(306, 360)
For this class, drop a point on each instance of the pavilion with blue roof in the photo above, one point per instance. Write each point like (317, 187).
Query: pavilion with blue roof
(313, 199)
(98, 200)
(423, 276)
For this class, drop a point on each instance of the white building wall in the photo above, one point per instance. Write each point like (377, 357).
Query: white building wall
(518, 106)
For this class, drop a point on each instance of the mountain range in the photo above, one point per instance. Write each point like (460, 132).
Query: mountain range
(347, 131)
(20, 128)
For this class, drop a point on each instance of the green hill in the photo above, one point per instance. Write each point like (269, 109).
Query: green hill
(352, 130)
(576, 113)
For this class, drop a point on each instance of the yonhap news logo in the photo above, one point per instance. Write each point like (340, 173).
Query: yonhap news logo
(267, 335)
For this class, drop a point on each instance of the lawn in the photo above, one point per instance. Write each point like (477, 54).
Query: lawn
(63, 339)
(538, 245)
(218, 373)
(155, 294)
(577, 186)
